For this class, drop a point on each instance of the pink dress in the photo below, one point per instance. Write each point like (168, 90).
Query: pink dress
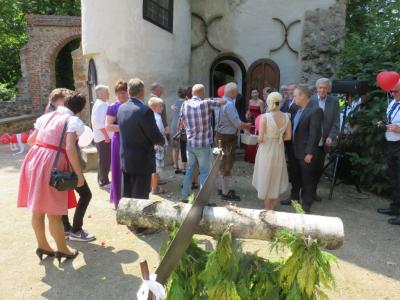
(34, 189)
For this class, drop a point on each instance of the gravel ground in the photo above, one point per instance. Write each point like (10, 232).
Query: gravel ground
(369, 261)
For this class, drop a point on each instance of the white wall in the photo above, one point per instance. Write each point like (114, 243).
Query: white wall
(247, 29)
(124, 45)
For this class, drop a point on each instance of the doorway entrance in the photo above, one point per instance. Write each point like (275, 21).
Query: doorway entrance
(262, 73)
(225, 69)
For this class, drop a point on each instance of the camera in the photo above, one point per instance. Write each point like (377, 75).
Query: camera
(382, 124)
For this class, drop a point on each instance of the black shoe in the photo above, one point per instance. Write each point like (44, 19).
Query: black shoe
(286, 202)
(388, 211)
(60, 255)
(41, 252)
(185, 201)
(394, 221)
(211, 204)
(230, 197)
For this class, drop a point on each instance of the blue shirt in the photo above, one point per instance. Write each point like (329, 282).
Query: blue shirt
(321, 102)
(296, 119)
(227, 118)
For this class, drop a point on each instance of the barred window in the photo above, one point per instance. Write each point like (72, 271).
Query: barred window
(159, 12)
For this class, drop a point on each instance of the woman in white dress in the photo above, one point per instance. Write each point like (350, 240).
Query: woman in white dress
(270, 177)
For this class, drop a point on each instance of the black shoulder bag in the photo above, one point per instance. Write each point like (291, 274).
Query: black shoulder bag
(62, 180)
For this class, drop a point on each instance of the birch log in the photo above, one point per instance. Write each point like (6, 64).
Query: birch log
(247, 223)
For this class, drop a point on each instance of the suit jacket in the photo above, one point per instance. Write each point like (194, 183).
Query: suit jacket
(331, 123)
(291, 110)
(308, 132)
(138, 135)
(240, 106)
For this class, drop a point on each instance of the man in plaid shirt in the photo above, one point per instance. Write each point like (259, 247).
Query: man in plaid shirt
(196, 116)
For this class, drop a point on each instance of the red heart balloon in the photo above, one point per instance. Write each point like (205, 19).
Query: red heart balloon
(387, 80)
(221, 91)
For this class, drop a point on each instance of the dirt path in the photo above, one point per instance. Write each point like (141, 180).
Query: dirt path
(369, 262)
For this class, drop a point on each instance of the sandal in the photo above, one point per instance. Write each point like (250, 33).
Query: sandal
(158, 191)
(178, 171)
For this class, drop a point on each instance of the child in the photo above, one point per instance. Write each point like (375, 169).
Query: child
(157, 106)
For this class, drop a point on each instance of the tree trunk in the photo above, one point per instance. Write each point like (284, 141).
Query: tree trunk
(247, 223)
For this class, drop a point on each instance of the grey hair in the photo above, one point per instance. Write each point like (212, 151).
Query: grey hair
(153, 101)
(155, 85)
(283, 88)
(100, 89)
(135, 87)
(324, 81)
(231, 86)
(197, 87)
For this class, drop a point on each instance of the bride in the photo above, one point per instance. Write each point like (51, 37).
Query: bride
(270, 177)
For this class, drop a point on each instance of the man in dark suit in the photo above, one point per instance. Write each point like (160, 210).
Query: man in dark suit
(307, 127)
(331, 124)
(139, 133)
(289, 106)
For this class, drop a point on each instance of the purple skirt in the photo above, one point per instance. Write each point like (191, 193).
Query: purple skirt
(116, 171)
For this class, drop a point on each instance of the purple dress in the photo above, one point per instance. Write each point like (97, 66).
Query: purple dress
(116, 171)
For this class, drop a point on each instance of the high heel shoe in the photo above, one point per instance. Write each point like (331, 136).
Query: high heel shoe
(60, 255)
(40, 252)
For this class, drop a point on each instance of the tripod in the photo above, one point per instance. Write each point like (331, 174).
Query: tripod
(340, 155)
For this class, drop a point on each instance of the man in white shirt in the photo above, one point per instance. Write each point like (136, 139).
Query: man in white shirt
(393, 159)
(100, 135)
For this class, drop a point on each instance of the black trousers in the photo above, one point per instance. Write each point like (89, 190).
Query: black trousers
(183, 145)
(320, 162)
(393, 161)
(85, 195)
(104, 162)
(136, 186)
(291, 161)
(305, 180)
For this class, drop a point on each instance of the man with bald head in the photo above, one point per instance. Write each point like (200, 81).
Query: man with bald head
(196, 116)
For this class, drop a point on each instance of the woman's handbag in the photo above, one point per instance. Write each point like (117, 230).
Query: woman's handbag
(180, 135)
(62, 180)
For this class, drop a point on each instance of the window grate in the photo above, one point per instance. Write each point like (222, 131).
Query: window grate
(159, 12)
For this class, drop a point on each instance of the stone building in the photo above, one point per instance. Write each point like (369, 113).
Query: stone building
(178, 43)
(181, 42)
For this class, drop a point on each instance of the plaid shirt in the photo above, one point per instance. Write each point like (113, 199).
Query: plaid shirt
(196, 115)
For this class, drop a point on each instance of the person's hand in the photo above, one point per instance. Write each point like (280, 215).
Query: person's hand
(166, 130)
(393, 128)
(247, 115)
(260, 139)
(81, 180)
(174, 108)
(328, 142)
(308, 158)
(247, 126)
(107, 139)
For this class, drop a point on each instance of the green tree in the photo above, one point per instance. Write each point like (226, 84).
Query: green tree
(372, 45)
(13, 30)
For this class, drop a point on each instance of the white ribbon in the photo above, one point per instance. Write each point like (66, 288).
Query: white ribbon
(151, 286)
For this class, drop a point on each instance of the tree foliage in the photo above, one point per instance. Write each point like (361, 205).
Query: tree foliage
(372, 44)
(13, 30)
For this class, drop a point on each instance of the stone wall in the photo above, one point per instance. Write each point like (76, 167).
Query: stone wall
(323, 38)
(17, 124)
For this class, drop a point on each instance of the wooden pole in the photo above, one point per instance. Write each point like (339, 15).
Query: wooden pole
(144, 268)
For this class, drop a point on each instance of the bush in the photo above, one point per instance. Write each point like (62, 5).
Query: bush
(7, 94)
(371, 46)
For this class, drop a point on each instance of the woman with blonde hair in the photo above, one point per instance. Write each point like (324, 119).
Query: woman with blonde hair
(270, 176)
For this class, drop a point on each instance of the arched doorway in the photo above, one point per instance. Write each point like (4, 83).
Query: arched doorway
(63, 65)
(228, 68)
(262, 73)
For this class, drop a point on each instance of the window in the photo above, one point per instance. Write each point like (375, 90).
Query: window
(159, 12)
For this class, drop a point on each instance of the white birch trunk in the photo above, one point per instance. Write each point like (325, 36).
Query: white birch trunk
(247, 223)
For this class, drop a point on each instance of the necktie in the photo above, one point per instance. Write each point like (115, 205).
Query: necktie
(391, 112)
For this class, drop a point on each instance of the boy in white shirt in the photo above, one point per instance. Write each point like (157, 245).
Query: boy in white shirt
(157, 106)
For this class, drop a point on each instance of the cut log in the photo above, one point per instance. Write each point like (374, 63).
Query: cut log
(247, 223)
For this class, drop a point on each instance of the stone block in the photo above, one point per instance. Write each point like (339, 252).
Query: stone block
(89, 155)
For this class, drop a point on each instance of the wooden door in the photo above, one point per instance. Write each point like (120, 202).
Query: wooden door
(262, 73)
